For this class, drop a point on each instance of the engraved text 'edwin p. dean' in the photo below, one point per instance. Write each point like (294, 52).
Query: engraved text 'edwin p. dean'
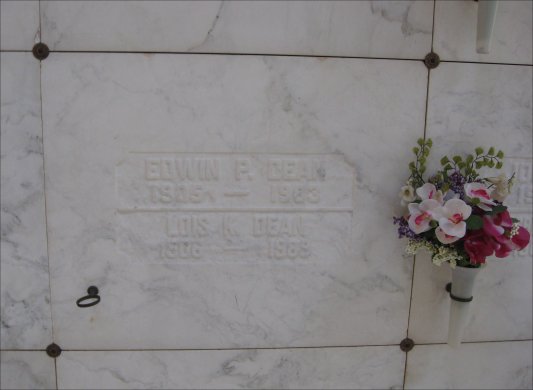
(175, 207)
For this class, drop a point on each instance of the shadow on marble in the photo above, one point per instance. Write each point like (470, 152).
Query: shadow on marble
(25, 291)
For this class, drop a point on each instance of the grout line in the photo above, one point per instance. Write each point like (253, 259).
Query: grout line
(40, 24)
(480, 342)
(409, 318)
(45, 203)
(427, 104)
(414, 256)
(260, 348)
(433, 25)
(405, 369)
(267, 55)
(484, 63)
(231, 54)
(55, 370)
(229, 349)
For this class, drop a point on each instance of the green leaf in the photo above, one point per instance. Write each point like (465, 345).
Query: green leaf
(499, 165)
(474, 222)
(479, 150)
(491, 164)
(444, 160)
(499, 154)
(479, 164)
(474, 201)
(469, 159)
(416, 150)
(456, 159)
(491, 151)
(429, 142)
(445, 187)
(498, 209)
(420, 141)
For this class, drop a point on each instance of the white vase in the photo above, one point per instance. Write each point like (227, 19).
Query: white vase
(461, 292)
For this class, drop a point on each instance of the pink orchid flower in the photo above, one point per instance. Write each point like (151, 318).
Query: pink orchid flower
(481, 192)
(429, 191)
(452, 217)
(422, 214)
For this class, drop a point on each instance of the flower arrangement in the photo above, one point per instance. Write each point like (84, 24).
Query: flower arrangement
(457, 214)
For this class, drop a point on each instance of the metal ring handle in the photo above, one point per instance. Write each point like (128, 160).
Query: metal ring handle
(455, 297)
(93, 297)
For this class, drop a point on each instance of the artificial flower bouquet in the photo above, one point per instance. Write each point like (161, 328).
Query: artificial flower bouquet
(457, 214)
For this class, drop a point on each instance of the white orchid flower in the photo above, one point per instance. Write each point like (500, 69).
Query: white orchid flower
(422, 214)
(445, 238)
(429, 191)
(452, 218)
(481, 192)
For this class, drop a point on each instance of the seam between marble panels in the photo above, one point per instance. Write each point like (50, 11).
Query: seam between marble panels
(45, 203)
(432, 24)
(263, 348)
(267, 55)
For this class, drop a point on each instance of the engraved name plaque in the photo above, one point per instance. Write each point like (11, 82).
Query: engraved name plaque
(180, 207)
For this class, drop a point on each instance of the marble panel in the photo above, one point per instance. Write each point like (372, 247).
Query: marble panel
(307, 368)
(499, 365)
(27, 370)
(400, 29)
(25, 291)
(19, 24)
(481, 105)
(321, 271)
(455, 32)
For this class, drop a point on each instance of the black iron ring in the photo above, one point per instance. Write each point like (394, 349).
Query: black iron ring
(456, 298)
(93, 297)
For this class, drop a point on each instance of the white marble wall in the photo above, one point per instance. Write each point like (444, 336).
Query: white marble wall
(25, 291)
(240, 314)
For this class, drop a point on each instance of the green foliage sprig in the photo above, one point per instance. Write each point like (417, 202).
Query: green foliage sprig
(418, 167)
(469, 166)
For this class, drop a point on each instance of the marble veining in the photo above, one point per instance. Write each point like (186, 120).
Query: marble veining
(25, 309)
(98, 109)
(455, 32)
(19, 24)
(400, 29)
(26, 370)
(471, 366)
(485, 105)
(309, 368)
